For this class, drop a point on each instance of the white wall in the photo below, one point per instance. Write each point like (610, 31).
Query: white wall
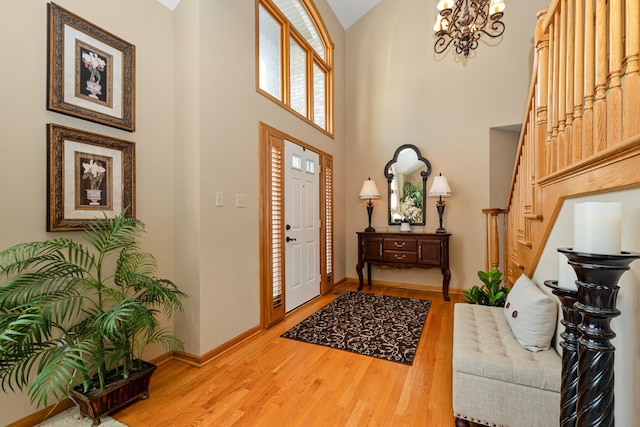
(503, 147)
(627, 325)
(217, 117)
(23, 116)
(401, 92)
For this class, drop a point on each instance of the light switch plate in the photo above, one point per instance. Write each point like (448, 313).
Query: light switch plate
(219, 198)
(241, 201)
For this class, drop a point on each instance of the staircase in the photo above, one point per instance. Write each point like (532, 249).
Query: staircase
(581, 127)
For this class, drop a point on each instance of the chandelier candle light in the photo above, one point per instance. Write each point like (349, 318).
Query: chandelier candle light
(369, 191)
(464, 21)
(440, 189)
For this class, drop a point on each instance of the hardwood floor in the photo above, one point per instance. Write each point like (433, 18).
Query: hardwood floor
(273, 381)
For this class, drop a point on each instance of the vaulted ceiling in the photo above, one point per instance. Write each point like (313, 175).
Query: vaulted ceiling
(347, 11)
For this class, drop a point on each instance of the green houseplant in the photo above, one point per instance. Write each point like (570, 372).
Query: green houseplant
(73, 314)
(490, 292)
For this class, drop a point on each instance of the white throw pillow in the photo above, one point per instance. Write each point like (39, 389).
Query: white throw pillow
(531, 314)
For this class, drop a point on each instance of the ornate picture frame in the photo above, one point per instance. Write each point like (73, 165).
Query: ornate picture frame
(91, 72)
(90, 176)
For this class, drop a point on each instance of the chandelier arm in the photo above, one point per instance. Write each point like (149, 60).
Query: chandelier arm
(497, 27)
(442, 44)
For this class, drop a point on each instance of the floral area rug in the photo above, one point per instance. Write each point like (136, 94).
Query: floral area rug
(373, 325)
(71, 418)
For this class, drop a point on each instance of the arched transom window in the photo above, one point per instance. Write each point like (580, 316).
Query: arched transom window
(295, 57)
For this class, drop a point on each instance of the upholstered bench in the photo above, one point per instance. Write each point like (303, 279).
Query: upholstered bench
(496, 381)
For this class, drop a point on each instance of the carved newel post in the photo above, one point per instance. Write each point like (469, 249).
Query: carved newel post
(571, 318)
(598, 276)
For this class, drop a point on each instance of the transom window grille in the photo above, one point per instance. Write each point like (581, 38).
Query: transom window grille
(295, 57)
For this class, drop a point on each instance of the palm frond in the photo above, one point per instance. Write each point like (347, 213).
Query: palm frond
(111, 234)
(160, 336)
(162, 292)
(58, 370)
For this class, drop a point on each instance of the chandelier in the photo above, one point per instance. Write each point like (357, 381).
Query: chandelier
(464, 21)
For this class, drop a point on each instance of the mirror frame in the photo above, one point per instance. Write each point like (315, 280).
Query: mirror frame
(424, 174)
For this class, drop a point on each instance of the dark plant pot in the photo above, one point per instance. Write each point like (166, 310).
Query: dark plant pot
(97, 403)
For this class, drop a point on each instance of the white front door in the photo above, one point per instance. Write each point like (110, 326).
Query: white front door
(302, 223)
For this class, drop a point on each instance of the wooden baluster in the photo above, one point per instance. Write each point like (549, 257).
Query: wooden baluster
(486, 240)
(600, 102)
(553, 92)
(529, 174)
(578, 77)
(505, 248)
(495, 240)
(590, 80)
(541, 98)
(630, 98)
(569, 141)
(614, 98)
(563, 155)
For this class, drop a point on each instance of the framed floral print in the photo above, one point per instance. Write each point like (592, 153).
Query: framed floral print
(91, 72)
(90, 176)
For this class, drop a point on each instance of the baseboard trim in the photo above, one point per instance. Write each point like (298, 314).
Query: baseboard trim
(400, 285)
(200, 361)
(43, 414)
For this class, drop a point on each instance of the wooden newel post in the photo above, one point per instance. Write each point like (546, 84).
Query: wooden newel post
(492, 235)
(598, 276)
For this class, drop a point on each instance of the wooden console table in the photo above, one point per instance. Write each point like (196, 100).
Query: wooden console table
(404, 250)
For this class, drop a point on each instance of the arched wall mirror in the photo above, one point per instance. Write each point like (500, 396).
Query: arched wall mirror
(407, 175)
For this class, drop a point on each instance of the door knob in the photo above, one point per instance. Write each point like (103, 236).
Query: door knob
(289, 239)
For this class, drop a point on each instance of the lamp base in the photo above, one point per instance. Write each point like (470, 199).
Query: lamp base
(369, 230)
(441, 231)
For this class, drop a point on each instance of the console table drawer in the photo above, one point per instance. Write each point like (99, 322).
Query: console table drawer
(400, 256)
(400, 244)
(404, 250)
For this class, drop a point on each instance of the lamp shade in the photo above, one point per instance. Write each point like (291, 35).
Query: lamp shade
(369, 190)
(440, 187)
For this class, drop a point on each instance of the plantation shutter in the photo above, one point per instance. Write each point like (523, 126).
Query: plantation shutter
(327, 200)
(273, 259)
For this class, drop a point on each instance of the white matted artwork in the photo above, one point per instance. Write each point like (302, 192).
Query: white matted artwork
(90, 177)
(91, 71)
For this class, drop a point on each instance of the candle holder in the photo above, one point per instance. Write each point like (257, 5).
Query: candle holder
(571, 318)
(598, 276)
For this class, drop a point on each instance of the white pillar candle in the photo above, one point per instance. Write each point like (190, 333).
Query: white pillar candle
(566, 274)
(596, 228)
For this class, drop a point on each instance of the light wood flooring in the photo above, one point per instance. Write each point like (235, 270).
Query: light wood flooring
(272, 381)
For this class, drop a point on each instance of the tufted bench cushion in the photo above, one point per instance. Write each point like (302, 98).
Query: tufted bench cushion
(496, 382)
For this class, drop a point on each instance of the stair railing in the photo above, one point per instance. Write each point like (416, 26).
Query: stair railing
(581, 127)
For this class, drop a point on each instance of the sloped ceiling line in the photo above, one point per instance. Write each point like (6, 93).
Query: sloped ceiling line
(348, 12)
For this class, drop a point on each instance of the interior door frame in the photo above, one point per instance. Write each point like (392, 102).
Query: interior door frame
(271, 232)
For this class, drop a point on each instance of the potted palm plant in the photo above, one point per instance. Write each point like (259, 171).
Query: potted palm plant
(75, 318)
